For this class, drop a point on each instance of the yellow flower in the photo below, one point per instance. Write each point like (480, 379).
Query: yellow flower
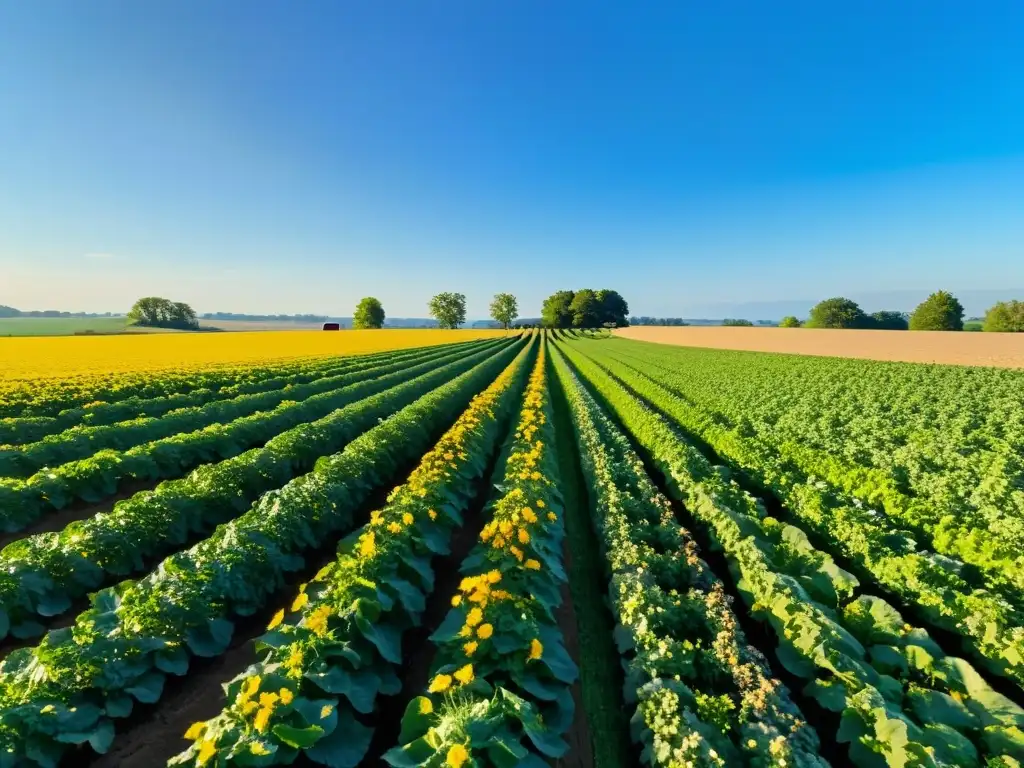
(368, 544)
(485, 631)
(457, 756)
(325, 711)
(407, 518)
(426, 705)
(300, 601)
(464, 674)
(536, 649)
(474, 617)
(262, 719)
(252, 685)
(195, 731)
(268, 700)
(206, 750)
(286, 696)
(524, 536)
(456, 600)
(529, 515)
(517, 552)
(316, 622)
(540, 503)
(278, 618)
(532, 565)
(294, 662)
(440, 683)
(493, 577)
(535, 476)
(249, 707)
(552, 516)
(257, 748)
(470, 648)
(394, 527)
(432, 513)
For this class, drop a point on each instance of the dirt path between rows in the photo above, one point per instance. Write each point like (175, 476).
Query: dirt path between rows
(1001, 350)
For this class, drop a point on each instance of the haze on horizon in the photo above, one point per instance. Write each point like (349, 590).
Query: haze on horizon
(271, 158)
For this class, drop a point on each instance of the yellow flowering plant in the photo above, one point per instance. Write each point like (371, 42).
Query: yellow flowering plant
(337, 644)
(500, 638)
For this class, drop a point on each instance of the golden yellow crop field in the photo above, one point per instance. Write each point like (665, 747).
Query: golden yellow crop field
(48, 357)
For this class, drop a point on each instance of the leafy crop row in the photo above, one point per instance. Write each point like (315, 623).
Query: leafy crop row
(39, 442)
(940, 463)
(97, 477)
(901, 700)
(42, 574)
(500, 690)
(67, 690)
(988, 622)
(700, 694)
(339, 644)
(48, 398)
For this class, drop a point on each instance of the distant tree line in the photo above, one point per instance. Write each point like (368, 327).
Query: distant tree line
(265, 318)
(941, 311)
(644, 320)
(6, 311)
(737, 322)
(585, 308)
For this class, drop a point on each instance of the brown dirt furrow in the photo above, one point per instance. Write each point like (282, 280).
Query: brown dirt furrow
(1000, 350)
(82, 510)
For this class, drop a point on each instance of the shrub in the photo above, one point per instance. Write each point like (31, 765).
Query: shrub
(939, 312)
(1005, 317)
(837, 313)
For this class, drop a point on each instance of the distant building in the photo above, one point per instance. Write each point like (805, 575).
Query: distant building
(332, 326)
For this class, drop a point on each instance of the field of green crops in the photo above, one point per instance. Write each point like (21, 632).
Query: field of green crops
(544, 550)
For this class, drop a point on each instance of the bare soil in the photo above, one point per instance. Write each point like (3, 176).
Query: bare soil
(1001, 350)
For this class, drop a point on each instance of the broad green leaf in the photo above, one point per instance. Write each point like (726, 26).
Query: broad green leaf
(300, 738)
(345, 747)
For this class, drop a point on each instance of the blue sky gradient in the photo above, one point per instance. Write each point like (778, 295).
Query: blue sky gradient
(279, 157)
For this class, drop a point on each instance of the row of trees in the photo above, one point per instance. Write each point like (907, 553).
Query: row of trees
(585, 308)
(939, 312)
(646, 320)
(449, 309)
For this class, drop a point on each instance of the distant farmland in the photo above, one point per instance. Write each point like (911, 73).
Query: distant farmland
(68, 326)
(1003, 350)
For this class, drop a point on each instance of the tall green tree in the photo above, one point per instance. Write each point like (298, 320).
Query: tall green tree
(1005, 317)
(504, 309)
(157, 312)
(585, 309)
(837, 313)
(612, 308)
(789, 321)
(449, 309)
(369, 314)
(556, 312)
(941, 311)
(889, 321)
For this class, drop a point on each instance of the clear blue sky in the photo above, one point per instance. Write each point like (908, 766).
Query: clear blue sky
(292, 157)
